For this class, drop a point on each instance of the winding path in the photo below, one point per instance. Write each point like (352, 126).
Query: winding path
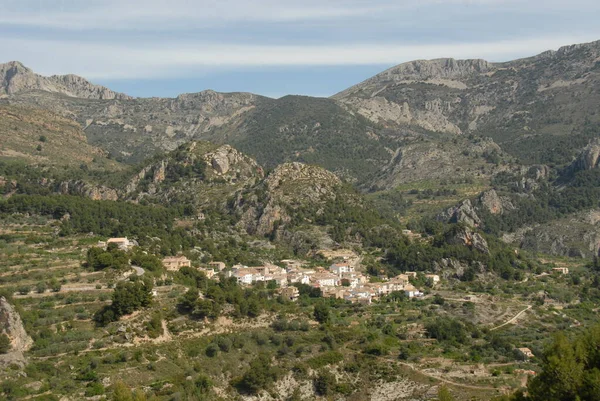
(512, 320)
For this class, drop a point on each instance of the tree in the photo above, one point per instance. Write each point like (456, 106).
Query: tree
(129, 297)
(187, 302)
(5, 345)
(321, 312)
(444, 394)
(324, 383)
(562, 374)
(259, 375)
(121, 392)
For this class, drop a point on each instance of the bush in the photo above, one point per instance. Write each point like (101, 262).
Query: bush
(259, 375)
(212, 350)
(324, 383)
(4, 343)
(321, 312)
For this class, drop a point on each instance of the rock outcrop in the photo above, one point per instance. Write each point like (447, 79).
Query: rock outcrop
(94, 192)
(589, 158)
(12, 326)
(467, 237)
(464, 213)
(290, 186)
(15, 78)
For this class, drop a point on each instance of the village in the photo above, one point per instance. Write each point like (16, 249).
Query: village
(341, 280)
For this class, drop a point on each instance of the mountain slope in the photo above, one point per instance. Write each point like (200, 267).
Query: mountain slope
(39, 137)
(410, 123)
(16, 78)
(541, 109)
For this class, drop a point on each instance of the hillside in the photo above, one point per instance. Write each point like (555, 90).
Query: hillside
(540, 109)
(42, 138)
(537, 110)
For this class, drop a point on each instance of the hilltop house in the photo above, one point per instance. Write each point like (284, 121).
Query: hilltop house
(174, 263)
(526, 352)
(122, 243)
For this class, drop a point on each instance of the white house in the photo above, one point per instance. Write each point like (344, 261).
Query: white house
(121, 243)
(324, 280)
(341, 268)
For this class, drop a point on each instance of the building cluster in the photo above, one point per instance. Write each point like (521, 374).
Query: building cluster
(340, 280)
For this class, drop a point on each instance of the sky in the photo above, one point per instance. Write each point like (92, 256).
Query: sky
(275, 47)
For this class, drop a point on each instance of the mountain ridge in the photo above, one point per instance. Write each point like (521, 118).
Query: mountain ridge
(15, 77)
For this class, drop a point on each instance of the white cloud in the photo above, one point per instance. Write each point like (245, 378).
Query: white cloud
(135, 61)
(174, 14)
(107, 15)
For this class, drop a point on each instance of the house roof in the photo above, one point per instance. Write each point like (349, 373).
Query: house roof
(118, 240)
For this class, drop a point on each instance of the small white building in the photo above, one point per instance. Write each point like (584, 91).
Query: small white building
(433, 277)
(324, 280)
(341, 268)
(122, 243)
(412, 292)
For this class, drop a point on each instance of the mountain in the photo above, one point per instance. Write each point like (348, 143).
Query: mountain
(540, 109)
(407, 124)
(16, 78)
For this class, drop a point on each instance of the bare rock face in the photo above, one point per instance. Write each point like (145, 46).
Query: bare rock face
(160, 172)
(492, 202)
(464, 212)
(15, 78)
(289, 186)
(467, 237)
(12, 326)
(94, 192)
(226, 160)
(589, 157)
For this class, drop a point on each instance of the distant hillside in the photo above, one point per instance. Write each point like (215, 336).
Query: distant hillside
(39, 137)
(541, 109)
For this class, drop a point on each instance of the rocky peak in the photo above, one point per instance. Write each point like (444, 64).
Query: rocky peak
(438, 68)
(228, 160)
(465, 236)
(448, 69)
(311, 180)
(15, 78)
(464, 213)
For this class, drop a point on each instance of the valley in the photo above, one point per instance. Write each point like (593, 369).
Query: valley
(431, 233)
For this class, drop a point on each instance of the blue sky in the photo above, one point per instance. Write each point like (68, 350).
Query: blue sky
(275, 47)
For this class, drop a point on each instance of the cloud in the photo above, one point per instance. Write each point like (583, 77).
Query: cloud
(177, 14)
(161, 15)
(166, 60)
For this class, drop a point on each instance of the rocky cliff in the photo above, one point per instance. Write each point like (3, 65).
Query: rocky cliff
(15, 78)
(12, 326)
(289, 187)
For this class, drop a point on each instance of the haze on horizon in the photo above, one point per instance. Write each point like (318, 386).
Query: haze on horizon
(157, 48)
